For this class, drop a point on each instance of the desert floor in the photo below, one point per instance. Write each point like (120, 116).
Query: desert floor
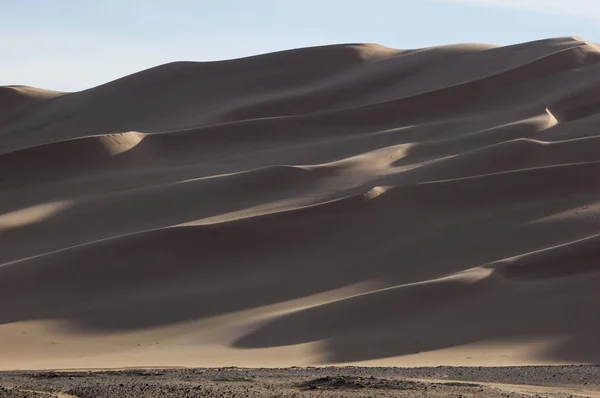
(549, 381)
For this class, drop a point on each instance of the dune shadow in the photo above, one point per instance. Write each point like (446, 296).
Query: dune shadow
(187, 273)
(444, 314)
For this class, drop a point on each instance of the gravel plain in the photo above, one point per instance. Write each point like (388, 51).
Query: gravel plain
(540, 381)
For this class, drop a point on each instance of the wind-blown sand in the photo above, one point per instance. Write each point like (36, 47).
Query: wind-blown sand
(346, 204)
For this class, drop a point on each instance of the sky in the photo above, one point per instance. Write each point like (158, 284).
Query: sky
(71, 45)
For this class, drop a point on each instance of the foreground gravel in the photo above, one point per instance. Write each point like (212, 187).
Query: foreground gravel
(551, 381)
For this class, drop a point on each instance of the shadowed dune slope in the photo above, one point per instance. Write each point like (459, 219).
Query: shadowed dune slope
(328, 205)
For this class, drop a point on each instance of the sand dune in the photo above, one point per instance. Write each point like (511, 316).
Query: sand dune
(329, 205)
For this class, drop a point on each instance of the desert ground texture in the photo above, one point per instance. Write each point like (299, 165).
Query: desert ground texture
(359, 382)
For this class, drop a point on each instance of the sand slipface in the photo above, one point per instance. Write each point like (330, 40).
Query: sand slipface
(346, 204)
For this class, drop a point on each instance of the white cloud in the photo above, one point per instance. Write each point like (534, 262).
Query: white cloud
(578, 8)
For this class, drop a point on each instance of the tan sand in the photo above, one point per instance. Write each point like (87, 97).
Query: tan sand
(347, 204)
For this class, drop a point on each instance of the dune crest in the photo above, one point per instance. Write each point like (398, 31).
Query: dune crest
(343, 204)
(16, 99)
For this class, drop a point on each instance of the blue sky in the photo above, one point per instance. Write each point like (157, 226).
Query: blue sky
(77, 44)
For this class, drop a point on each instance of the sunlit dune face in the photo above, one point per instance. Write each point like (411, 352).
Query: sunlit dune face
(122, 142)
(31, 215)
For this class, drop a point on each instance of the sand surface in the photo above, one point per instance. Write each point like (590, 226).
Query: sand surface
(346, 204)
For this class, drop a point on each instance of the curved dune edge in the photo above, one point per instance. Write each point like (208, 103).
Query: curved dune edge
(15, 101)
(345, 204)
(13, 96)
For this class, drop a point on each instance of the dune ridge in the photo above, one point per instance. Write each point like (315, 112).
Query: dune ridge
(343, 204)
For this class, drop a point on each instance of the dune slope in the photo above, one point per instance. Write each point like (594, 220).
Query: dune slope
(329, 205)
